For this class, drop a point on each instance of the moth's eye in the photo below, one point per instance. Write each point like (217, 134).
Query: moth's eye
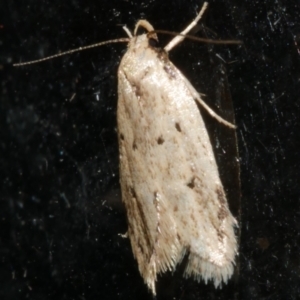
(153, 42)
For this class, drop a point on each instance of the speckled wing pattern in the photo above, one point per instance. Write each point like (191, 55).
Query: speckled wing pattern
(169, 178)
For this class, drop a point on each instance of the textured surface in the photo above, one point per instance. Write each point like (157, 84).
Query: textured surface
(170, 183)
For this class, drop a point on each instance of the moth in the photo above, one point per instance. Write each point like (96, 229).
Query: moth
(171, 188)
(175, 201)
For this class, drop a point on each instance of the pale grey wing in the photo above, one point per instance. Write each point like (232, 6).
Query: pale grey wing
(152, 228)
(170, 169)
(213, 245)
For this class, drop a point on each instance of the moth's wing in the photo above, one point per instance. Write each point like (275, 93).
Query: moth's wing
(169, 178)
(212, 244)
(152, 227)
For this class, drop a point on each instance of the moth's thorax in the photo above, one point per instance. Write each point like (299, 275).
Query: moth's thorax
(138, 43)
(141, 55)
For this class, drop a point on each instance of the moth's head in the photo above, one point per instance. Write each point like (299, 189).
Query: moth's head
(144, 40)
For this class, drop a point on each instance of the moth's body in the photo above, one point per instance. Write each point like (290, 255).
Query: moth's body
(170, 182)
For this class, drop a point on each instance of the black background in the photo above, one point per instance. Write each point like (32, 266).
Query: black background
(61, 211)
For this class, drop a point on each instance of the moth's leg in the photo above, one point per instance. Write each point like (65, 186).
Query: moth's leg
(178, 39)
(197, 97)
(124, 235)
(127, 31)
(213, 114)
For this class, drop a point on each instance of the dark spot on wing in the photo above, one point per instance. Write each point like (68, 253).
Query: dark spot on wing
(191, 183)
(220, 234)
(223, 212)
(221, 196)
(137, 91)
(160, 140)
(134, 145)
(177, 126)
(132, 192)
(170, 71)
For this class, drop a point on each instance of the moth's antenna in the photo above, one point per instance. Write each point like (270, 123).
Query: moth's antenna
(195, 38)
(178, 39)
(121, 40)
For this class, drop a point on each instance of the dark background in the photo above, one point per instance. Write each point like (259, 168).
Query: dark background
(60, 208)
